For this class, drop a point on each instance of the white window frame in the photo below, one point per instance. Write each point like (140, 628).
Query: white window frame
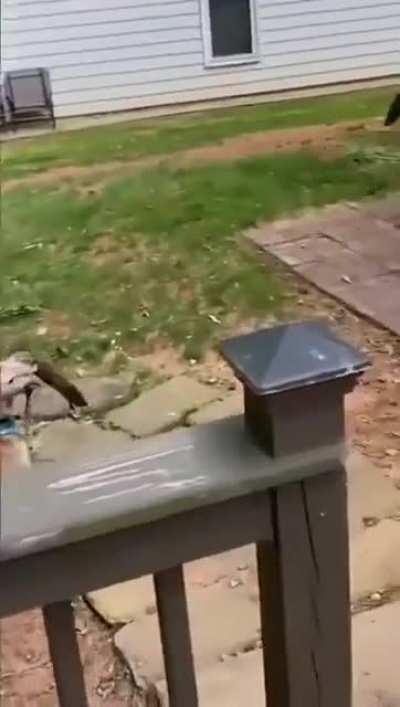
(231, 60)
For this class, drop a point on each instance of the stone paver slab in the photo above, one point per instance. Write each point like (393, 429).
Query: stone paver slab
(369, 231)
(218, 410)
(376, 648)
(123, 602)
(370, 237)
(376, 651)
(235, 682)
(375, 564)
(223, 620)
(358, 225)
(309, 224)
(78, 441)
(307, 250)
(128, 601)
(163, 407)
(377, 298)
(343, 269)
(105, 393)
(387, 209)
(370, 494)
(46, 404)
(284, 231)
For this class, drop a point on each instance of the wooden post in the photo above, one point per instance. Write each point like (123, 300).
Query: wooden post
(175, 637)
(64, 653)
(305, 602)
(295, 378)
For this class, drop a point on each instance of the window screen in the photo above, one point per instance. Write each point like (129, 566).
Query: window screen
(230, 27)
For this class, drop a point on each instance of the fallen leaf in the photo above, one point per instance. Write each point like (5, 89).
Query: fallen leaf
(370, 521)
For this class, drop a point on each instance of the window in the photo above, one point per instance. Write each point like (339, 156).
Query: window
(229, 27)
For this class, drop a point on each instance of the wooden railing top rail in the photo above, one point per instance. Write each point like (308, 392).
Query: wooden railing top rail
(61, 503)
(180, 471)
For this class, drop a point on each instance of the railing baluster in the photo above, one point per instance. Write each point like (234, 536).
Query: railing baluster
(175, 635)
(64, 652)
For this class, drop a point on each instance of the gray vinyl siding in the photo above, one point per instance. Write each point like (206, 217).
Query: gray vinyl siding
(134, 54)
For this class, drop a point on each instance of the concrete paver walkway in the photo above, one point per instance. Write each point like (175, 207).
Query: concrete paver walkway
(376, 644)
(349, 251)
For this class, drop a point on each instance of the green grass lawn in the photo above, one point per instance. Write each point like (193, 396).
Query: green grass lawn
(156, 255)
(127, 141)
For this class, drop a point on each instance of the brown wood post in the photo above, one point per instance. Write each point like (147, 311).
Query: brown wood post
(305, 603)
(64, 652)
(295, 378)
(175, 637)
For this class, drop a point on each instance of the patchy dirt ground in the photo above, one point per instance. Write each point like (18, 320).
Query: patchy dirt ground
(324, 139)
(319, 138)
(27, 676)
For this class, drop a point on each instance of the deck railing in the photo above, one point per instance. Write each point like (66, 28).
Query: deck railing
(274, 477)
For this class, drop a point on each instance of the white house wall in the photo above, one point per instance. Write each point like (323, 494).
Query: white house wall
(106, 55)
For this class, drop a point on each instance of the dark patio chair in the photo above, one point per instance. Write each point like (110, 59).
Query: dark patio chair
(2, 116)
(28, 96)
(3, 112)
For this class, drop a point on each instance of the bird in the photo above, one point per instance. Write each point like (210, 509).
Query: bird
(21, 374)
(394, 111)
